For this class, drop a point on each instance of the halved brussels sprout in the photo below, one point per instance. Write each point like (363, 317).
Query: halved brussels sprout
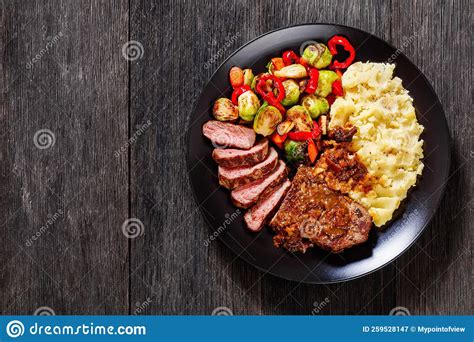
(315, 105)
(285, 127)
(224, 110)
(292, 93)
(300, 118)
(248, 76)
(292, 71)
(317, 55)
(325, 81)
(248, 104)
(266, 120)
(295, 151)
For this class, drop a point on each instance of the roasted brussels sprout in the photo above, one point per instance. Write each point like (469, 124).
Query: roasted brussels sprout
(291, 71)
(224, 110)
(317, 55)
(295, 151)
(300, 118)
(315, 105)
(248, 77)
(292, 93)
(326, 78)
(248, 105)
(285, 127)
(266, 120)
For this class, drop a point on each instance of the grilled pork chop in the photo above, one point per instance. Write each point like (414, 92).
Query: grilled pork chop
(313, 214)
(225, 134)
(231, 157)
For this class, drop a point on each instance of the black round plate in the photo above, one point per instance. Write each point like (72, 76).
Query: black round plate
(317, 266)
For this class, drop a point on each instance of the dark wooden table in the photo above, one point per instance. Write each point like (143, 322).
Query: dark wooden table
(116, 144)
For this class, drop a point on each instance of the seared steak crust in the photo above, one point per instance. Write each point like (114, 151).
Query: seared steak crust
(230, 157)
(248, 194)
(313, 214)
(235, 177)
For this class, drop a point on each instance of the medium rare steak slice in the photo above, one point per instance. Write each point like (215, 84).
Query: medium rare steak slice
(224, 134)
(231, 157)
(235, 177)
(256, 216)
(246, 195)
(313, 214)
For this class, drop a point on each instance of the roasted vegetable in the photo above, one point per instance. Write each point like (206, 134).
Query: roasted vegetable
(248, 77)
(326, 78)
(224, 110)
(315, 105)
(248, 105)
(291, 71)
(301, 118)
(295, 151)
(317, 55)
(256, 79)
(284, 127)
(266, 120)
(236, 76)
(292, 93)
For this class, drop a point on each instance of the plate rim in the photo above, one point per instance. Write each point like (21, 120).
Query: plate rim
(433, 210)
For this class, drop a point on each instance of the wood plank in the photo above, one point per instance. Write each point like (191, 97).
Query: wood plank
(64, 72)
(437, 274)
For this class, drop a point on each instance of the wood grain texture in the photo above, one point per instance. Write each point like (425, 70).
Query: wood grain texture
(96, 102)
(77, 88)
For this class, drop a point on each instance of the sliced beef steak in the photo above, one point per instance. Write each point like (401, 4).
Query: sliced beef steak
(256, 216)
(232, 178)
(231, 157)
(224, 134)
(313, 214)
(248, 194)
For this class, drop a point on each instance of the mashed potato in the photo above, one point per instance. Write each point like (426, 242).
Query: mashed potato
(388, 135)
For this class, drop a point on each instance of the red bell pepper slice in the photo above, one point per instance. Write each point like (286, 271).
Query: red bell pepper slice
(342, 41)
(269, 96)
(312, 84)
(300, 136)
(290, 57)
(237, 92)
(278, 139)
